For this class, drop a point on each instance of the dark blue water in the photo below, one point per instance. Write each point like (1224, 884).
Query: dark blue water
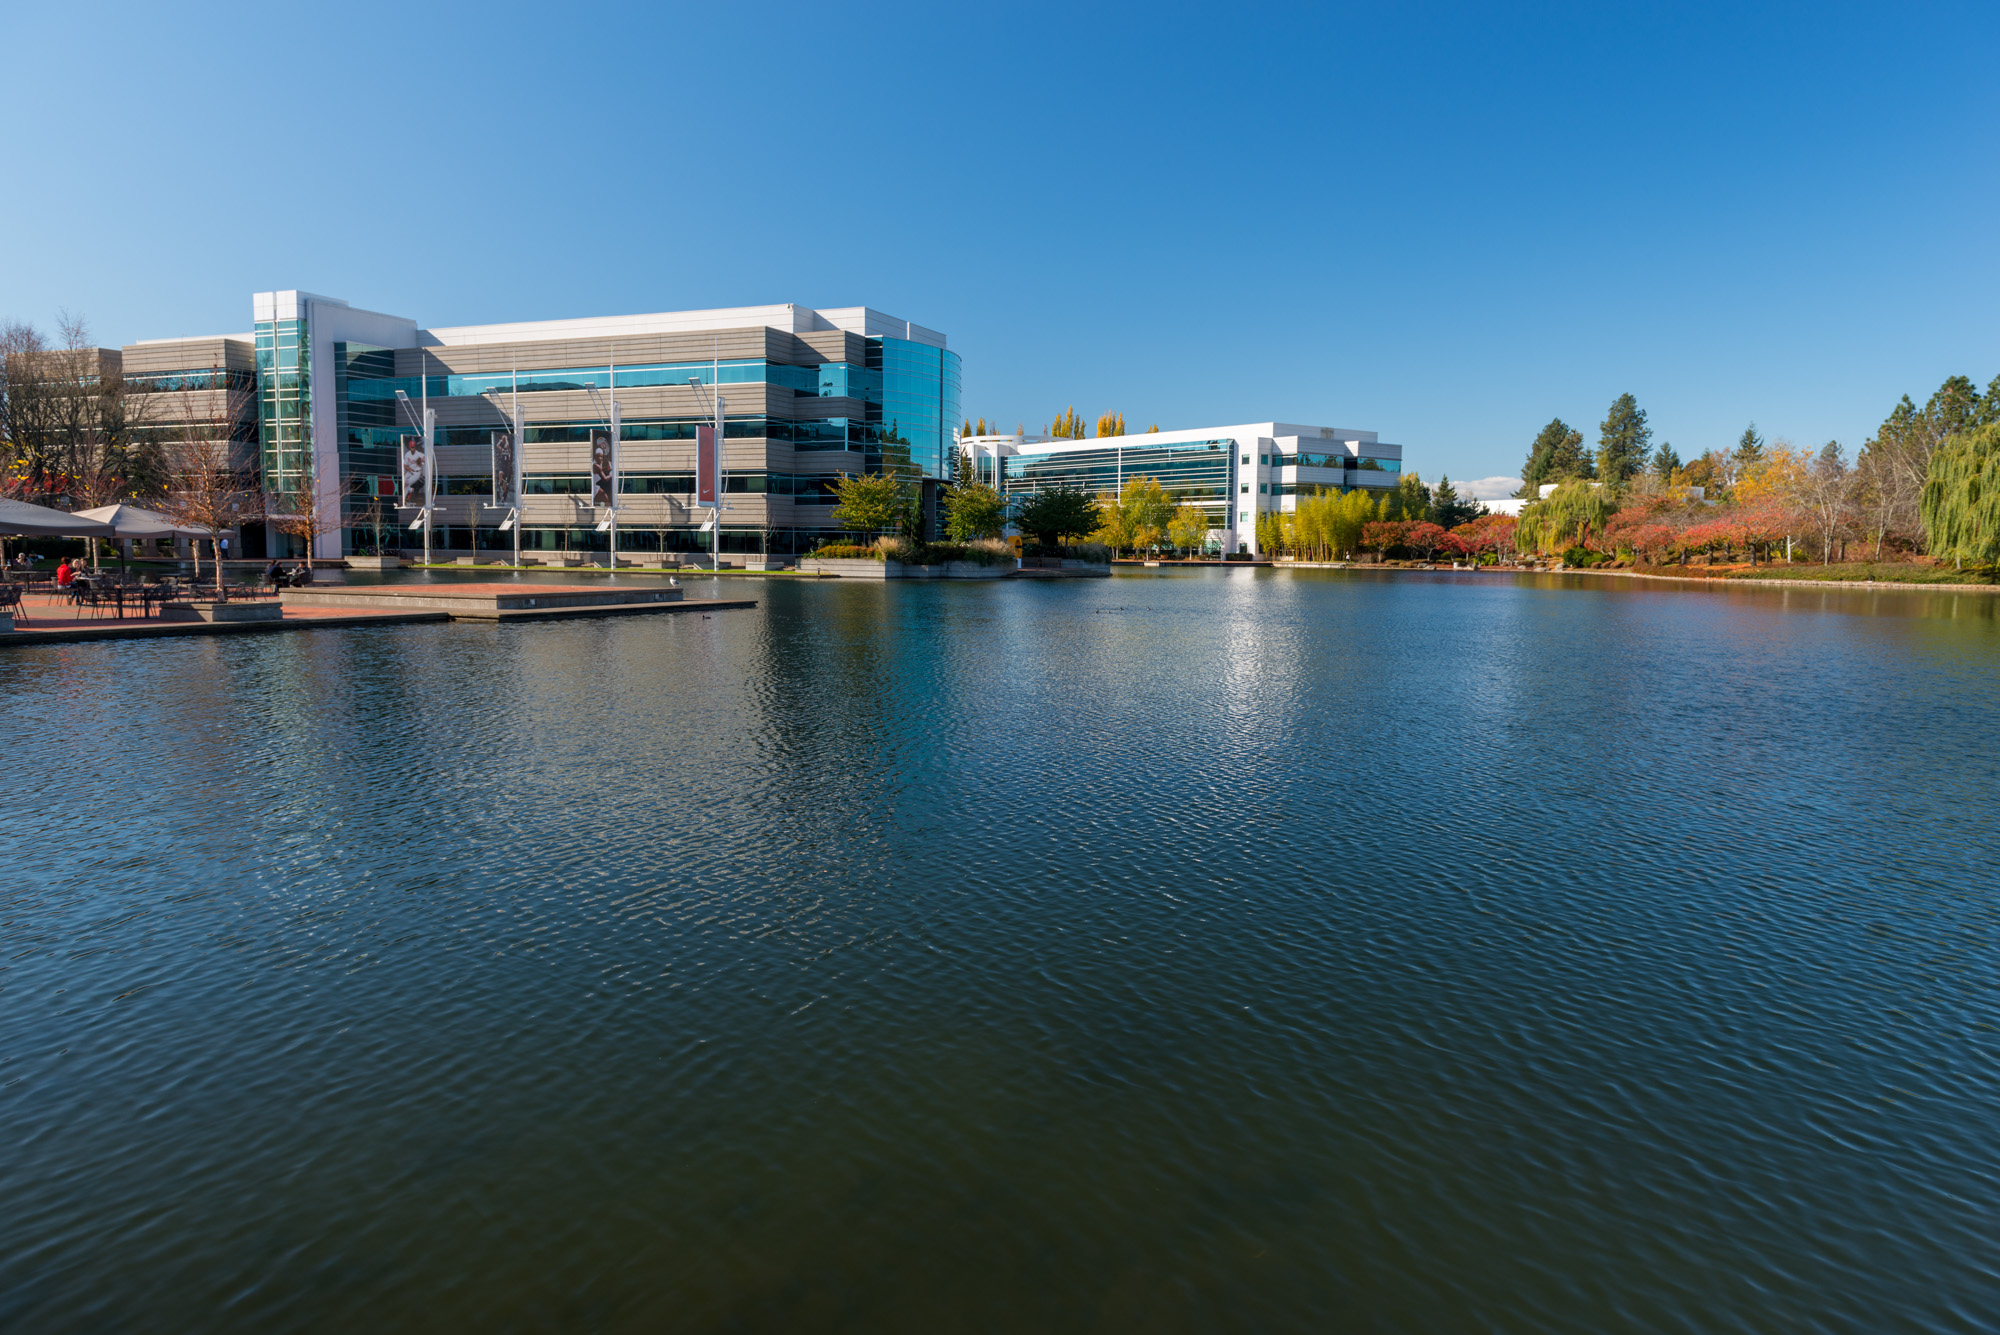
(1323, 951)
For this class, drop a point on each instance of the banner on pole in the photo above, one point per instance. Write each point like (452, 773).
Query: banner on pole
(416, 474)
(705, 470)
(503, 468)
(603, 470)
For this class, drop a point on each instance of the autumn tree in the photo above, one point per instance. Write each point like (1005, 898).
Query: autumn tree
(1136, 517)
(1111, 424)
(1188, 529)
(1623, 441)
(1068, 426)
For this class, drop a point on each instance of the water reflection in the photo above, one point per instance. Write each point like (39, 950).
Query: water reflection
(1276, 950)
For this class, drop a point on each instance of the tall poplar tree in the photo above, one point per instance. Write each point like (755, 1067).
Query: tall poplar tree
(1623, 439)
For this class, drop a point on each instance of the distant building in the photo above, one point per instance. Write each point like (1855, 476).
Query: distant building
(1234, 473)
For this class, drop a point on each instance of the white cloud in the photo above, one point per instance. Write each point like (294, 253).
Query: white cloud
(1488, 488)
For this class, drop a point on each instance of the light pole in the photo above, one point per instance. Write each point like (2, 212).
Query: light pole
(714, 467)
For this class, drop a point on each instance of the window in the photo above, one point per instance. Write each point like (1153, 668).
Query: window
(1246, 488)
(1263, 489)
(1246, 458)
(1264, 459)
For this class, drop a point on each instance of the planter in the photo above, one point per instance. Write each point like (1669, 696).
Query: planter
(374, 562)
(222, 612)
(848, 567)
(861, 567)
(6, 623)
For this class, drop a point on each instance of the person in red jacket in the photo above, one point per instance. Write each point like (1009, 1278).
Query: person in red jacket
(65, 574)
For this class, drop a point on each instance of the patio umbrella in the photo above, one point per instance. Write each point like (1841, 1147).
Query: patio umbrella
(38, 521)
(129, 521)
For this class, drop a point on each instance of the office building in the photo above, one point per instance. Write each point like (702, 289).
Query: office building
(1234, 473)
(809, 395)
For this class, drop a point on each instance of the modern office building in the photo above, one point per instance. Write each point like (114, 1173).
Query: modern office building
(1233, 472)
(809, 395)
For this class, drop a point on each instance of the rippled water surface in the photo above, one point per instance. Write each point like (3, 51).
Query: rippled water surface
(1315, 951)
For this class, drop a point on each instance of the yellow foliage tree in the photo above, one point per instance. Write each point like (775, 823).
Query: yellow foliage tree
(1111, 424)
(1188, 529)
(1137, 516)
(1068, 426)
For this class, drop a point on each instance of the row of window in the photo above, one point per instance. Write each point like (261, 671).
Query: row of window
(806, 488)
(830, 380)
(167, 382)
(827, 433)
(1336, 461)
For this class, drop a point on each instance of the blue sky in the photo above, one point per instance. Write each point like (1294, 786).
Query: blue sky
(1443, 223)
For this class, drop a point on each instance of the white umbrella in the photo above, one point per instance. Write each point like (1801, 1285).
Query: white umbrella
(38, 521)
(129, 521)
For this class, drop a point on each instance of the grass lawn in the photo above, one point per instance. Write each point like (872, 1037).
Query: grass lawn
(1887, 572)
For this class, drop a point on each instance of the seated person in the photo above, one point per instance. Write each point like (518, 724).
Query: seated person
(274, 573)
(65, 574)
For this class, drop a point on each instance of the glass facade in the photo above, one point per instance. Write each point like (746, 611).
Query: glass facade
(1346, 461)
(1198, 472)
(920, 395)
(832, 380)
(284, 403)
(901, 397)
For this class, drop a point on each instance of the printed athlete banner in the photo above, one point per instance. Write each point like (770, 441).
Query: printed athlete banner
(704, 465)
(603, 470)
(416, 475)
(503, 468)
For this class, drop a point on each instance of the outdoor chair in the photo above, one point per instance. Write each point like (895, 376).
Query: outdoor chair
(10, 600)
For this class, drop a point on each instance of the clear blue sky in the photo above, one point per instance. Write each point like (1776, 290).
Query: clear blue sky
(1444, 223)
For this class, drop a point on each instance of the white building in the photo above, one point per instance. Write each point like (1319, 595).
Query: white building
(1233, 472)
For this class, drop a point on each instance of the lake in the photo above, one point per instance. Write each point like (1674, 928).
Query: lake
(1184, 951)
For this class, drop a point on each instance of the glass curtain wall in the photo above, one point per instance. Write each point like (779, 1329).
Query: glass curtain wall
(1198, 472)
(284, 403)
(920, 395)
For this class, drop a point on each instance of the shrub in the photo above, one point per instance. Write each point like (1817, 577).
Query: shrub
(844, 551)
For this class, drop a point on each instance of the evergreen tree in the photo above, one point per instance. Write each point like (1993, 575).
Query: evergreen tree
(1954, 408)
(1556, 455)
(1749, 447)
(1665, 462)
(1448, 509)
(1622, 440)
(1989, 407)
